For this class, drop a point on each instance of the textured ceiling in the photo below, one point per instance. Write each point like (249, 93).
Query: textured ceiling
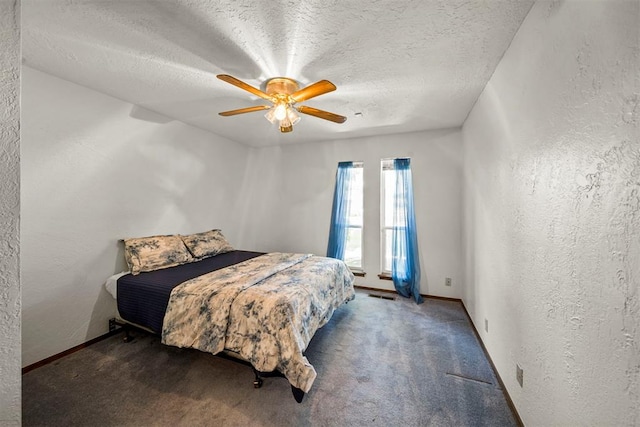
(405, 65)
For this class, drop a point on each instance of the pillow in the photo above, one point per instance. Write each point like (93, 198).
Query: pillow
(206, 244)
(155, 252)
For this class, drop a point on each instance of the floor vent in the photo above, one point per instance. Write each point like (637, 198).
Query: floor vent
(475, 380)
(387, 297)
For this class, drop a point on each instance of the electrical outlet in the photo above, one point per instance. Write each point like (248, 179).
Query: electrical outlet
(447, 281)
(486, 325)
(519, 374)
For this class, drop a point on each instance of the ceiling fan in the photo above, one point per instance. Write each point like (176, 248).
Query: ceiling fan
(284, 93)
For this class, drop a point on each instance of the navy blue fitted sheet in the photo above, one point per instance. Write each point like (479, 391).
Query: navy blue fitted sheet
(143, 298)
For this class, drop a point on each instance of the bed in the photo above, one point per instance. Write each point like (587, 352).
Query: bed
(261, 308)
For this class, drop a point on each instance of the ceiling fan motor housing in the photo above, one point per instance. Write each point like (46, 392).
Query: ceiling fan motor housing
(281, 85)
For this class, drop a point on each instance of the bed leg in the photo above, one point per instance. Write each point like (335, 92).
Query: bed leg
(298, 394)
(114, 324)
(127, 333)
(257, 382)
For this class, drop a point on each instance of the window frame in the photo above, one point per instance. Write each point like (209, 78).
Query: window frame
(354, 269)
(385, 165)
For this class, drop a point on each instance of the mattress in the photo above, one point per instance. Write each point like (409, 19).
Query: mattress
(142, 299)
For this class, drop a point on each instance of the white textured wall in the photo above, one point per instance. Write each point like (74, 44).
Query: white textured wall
(552, 214)
(92, 174)
(291, 194)
(9, 214)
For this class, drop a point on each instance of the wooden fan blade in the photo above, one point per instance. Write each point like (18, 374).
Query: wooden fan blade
(245, 110)
(242, 85)
(311, 91)
(322, 114)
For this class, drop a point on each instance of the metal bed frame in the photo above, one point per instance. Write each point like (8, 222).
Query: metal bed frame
(127, 327)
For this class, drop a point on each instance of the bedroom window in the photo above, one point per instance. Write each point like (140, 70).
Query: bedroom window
(387, 188)
(345, 237)
(399, 257)
(353, 250)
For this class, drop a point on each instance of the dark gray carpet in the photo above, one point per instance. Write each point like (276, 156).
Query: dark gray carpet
(379, 362)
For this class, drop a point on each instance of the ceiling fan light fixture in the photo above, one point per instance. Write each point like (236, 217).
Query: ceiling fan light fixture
(286, 125)
(280, 111)
(285, 115)
(293, 115)
(271, 115)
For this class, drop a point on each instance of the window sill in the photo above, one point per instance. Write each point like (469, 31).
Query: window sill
(358, 273)
(384, 276)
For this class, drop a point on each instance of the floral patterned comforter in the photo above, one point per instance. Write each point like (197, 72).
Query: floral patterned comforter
(265, 309)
